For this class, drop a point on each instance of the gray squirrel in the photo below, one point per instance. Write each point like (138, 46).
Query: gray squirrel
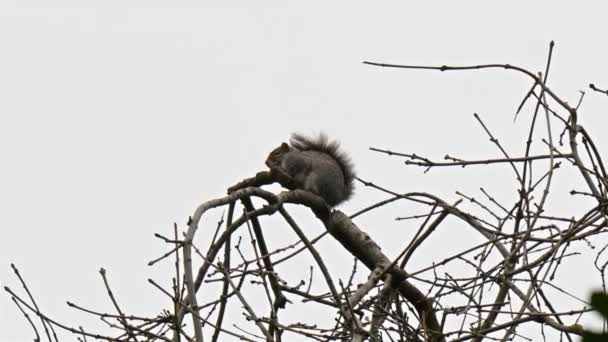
(317, 165)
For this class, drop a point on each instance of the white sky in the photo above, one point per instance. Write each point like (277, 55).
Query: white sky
(118, 118)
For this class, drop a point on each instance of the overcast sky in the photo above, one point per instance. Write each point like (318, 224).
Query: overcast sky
(117, 118)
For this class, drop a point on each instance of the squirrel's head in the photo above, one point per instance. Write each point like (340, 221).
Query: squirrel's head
(276, 156)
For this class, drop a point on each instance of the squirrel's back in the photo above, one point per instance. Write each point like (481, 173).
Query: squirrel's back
(321, 146)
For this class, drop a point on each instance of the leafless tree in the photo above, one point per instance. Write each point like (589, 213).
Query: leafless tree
(505, 282)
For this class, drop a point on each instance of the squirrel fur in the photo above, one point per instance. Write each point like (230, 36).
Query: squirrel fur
(317, 165)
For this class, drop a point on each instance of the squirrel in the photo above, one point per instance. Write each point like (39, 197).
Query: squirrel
(317, 165)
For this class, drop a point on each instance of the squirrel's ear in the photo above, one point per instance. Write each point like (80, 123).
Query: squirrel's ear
(285, 145)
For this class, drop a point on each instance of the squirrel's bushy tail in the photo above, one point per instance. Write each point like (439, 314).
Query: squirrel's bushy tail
(323, 144)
